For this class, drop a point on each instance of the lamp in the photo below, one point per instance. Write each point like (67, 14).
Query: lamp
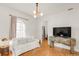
(37, 11)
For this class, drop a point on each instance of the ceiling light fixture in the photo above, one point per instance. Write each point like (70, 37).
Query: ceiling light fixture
(37, 11)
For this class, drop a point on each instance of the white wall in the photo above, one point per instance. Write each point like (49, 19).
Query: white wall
(5, 21)
(66, 18)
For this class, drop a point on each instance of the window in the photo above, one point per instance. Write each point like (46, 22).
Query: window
(20, 28)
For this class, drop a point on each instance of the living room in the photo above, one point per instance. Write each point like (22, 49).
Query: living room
(54, 15)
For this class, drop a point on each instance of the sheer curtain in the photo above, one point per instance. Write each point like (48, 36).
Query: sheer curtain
(13, 27)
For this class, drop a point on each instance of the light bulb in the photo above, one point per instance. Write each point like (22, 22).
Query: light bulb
(41, 14)
(34, 12)
(34, 16)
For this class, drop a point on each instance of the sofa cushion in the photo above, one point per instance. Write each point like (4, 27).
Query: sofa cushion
(24, 40)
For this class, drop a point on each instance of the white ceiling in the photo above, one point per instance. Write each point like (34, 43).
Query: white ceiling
(46, 8)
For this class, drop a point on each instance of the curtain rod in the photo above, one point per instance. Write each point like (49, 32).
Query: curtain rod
(19, 17)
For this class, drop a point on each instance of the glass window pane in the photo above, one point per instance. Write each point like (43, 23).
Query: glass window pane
(20, 29)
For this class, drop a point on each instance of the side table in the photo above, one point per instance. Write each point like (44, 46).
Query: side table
(4, 48)
(4, 51)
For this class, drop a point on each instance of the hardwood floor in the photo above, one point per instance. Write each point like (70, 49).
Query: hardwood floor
(45, 50)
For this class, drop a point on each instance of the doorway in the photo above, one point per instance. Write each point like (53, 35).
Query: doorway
(44, 33)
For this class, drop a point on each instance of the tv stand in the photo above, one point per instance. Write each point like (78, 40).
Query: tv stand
(66, 41)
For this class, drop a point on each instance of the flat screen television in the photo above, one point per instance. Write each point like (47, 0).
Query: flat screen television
(62, 32)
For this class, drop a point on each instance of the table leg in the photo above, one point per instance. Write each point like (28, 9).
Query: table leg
(53, 44)
(1, 52)
(71, 49)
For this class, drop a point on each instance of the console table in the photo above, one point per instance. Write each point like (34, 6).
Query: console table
(66, 41)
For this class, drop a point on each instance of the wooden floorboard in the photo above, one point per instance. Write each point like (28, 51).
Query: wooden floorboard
(45, 50)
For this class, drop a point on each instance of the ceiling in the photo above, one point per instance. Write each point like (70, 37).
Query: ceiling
(46, 8)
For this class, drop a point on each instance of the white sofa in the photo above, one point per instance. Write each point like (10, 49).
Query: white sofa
(21, 45)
